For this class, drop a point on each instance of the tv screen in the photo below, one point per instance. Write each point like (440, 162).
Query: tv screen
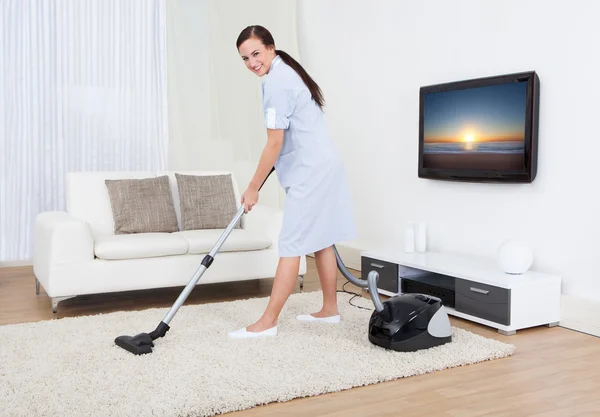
(480, 130)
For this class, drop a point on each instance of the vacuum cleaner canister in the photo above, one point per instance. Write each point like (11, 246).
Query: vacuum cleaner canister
(410, 322)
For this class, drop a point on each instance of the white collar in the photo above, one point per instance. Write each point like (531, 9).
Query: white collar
(276, 61)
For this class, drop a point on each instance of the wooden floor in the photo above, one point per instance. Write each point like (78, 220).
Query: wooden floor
(554, 372)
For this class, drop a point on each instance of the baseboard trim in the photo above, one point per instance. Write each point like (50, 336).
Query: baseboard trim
(13, 264)
(580, 314)
(350, 256)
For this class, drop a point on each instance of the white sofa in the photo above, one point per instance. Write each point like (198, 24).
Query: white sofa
(77, 252)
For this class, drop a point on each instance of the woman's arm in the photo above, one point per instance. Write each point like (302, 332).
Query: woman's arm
(268, 157)
(266, 163)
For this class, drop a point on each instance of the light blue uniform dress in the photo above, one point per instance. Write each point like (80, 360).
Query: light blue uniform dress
(318, 209)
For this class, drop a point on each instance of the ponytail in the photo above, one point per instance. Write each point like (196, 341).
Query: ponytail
(314, 89)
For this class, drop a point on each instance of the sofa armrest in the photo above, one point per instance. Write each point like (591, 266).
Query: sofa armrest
(60, 238)
(265, 219)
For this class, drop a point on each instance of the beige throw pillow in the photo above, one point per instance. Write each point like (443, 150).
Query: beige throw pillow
(142, 205)
(206, 201)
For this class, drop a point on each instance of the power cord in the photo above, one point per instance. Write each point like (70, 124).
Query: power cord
(354, 296)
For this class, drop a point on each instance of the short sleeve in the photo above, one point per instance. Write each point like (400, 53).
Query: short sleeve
(278, 109)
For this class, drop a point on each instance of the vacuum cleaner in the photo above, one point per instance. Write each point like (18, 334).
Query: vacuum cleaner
(405, 322)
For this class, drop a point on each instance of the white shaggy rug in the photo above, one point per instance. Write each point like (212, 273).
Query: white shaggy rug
(71, 366)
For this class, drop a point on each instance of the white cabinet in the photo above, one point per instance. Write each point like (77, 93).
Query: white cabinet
(471, 288)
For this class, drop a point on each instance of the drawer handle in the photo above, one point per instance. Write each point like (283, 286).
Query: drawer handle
(377, 265)
(479, 290)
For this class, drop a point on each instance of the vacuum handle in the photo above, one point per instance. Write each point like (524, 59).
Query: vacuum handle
(241, 209)
(268, 175)
(233, 222)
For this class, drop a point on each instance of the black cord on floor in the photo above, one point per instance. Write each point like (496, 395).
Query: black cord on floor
(354, 296)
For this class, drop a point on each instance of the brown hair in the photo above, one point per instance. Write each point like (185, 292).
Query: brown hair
(261, 33)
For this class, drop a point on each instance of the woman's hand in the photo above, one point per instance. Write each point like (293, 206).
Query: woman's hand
(249, 198)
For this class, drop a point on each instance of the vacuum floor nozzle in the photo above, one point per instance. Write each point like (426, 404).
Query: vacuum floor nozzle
(142, 343)
(139, 344)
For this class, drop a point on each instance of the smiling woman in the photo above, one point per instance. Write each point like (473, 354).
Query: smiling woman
(318, 209)
(257, 48)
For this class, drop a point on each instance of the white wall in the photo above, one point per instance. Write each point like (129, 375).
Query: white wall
(215, 103)
(370, 60)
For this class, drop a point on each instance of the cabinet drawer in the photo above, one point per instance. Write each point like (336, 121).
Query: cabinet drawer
(388, 273)
(484, 301)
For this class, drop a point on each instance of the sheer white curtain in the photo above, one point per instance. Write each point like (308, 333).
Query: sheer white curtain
(82, 88)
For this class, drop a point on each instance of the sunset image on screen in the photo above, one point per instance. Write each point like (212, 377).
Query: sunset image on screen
(478, 128)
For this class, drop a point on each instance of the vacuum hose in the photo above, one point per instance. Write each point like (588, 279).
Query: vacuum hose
(370, 282)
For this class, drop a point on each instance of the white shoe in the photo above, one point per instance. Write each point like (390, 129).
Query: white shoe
(244, 334)
(310, 317)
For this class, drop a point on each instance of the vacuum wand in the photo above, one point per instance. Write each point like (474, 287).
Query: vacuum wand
(206, 262)
(144, 342)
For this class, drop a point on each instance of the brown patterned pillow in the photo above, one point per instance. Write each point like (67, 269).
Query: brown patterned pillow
(206, 201)
(142, 205)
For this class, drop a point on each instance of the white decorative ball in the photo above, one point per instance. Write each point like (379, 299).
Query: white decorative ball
(515, 257)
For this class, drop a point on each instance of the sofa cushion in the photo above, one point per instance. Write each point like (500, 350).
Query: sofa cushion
(142, 205)
(206, 201)
(142, 245)
(87, 197)
(202, 241)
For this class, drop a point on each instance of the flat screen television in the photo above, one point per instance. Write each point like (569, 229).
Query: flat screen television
(480, 130)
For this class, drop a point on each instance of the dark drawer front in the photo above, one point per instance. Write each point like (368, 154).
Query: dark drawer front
(483, 301)
(388, 273)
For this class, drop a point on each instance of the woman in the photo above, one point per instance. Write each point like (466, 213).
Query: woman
(318, 210)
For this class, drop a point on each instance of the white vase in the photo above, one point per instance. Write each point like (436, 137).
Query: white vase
(421, 237)
(514, 257)
(409, 238)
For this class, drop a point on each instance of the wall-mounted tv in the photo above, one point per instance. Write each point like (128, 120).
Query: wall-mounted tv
(480, 130)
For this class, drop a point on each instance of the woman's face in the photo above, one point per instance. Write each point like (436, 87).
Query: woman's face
(257, 58)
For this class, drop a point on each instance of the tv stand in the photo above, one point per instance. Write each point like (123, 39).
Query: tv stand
(470, 288)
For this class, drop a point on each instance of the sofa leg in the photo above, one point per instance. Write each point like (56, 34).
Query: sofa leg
(56, 300)
(37, 286)
(301, 281)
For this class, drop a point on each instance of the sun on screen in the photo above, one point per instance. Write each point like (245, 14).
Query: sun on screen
(469, 137)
